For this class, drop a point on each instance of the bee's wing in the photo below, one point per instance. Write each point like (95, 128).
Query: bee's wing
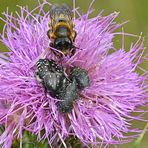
(61, 13)
(67, 10)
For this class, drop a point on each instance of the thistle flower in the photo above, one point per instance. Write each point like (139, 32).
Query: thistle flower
(103, 113)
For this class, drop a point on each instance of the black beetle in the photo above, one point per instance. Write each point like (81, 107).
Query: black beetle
(64, 88)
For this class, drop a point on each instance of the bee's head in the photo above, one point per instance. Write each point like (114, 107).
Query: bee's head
(63, 44)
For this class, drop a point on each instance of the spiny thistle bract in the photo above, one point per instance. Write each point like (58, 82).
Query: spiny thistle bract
(102, 115)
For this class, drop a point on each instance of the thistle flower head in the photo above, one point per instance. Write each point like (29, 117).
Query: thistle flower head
(104, 110)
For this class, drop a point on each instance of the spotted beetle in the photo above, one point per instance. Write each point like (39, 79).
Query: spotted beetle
(50, 74)
(66, 90)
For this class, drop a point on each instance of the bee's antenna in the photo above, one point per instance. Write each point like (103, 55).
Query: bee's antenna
(75, 47)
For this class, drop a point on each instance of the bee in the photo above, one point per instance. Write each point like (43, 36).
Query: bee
(61, 29)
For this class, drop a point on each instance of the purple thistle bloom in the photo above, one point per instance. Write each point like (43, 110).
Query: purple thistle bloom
(102, 115)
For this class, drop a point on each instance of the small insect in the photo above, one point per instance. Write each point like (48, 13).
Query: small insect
(61, 29)
(67, 94)
(49, 74)
(81, 77)
(66, 90)
(53, 78)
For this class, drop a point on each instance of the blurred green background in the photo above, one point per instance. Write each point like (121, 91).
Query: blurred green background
(136, 11)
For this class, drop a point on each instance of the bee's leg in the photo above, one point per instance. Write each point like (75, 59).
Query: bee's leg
(51, 45)
(49, 33)
(73, 51)
(57, 54)
(74, 35)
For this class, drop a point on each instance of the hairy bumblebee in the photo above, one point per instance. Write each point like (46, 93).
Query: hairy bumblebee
(61, 29)
(66, 90)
